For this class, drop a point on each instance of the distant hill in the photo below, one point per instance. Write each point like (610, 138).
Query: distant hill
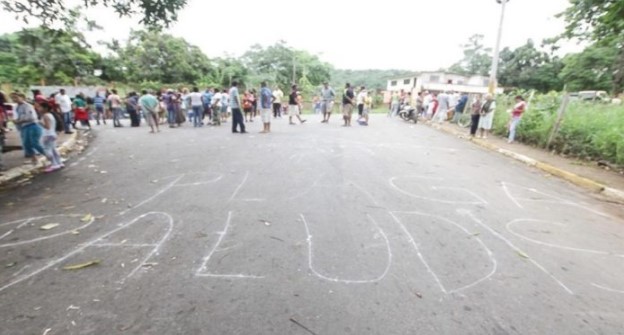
(376, 79)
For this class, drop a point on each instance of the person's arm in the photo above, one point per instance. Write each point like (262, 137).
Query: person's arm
(46, 122)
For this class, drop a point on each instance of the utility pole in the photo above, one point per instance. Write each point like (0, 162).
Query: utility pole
(294, 72)
(493, 84)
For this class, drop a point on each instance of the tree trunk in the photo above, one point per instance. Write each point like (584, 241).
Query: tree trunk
(618, 73)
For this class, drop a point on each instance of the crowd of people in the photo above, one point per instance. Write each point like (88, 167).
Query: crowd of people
(41, 118)
(449, 106)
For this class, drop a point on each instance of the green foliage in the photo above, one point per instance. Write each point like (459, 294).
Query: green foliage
(591, 69)
(599, 21)
(53, 56)
(588, 131)
(152, 56)
(371, 79)
(276, 63)
(477, 59)
(155, 13)
(526, 67)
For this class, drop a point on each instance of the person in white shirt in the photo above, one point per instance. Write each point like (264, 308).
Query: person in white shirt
(216, 105)
(360, 101)
(225, 103)
(198, 107)
(115, 102)
(65, 105)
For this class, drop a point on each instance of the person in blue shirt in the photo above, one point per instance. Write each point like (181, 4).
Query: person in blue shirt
(266, 104)
(98, 102)
(459, 108)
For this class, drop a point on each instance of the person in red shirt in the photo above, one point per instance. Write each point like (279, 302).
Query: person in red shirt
(516, 116)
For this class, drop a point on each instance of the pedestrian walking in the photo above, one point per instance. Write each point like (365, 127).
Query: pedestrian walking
(225, 105)
(247, 105)
(441, 114)
(294, 106)
(360, 101)
(49, 136)
(132, 107)
(215, 106)
(395, 104)
(81, 113)
(206, 101)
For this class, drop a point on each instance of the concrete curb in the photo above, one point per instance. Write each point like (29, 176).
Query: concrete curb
(30, 170)
(594, 186)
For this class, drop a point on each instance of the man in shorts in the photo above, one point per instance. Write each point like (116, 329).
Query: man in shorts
(266, 103)
(294, 103)
(347, 105)
(327, 101)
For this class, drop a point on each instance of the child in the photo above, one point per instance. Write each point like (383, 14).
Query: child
(49, 136)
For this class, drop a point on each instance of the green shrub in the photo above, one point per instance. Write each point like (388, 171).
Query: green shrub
(589, 131)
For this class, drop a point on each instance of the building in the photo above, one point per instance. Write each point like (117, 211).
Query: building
(439, 82)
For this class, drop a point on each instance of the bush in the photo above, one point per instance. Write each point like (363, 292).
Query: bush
(589, 131)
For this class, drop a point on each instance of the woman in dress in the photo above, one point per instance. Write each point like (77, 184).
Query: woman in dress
(487, 116)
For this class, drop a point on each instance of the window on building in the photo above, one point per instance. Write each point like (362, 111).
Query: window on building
(407, 81)
(434, 79)
(393, 83)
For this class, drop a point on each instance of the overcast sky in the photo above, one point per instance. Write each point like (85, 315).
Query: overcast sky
(400, 34)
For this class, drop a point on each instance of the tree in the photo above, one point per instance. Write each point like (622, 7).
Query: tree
(152, 56)
(599, 21)
(153, 13)
(47, 56)
(477, 59)
(276, 63)
(526, 67)
(591, 69)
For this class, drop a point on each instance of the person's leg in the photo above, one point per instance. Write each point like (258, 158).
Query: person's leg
(171, 116)
(515, 121)
(474, 125)
(67, 122)
(240, 121)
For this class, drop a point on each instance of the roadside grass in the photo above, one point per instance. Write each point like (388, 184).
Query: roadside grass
(589, 131)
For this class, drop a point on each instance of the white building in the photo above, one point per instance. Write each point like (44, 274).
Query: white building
(440, 81)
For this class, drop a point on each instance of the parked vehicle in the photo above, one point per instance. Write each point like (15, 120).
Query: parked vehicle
(408, 113)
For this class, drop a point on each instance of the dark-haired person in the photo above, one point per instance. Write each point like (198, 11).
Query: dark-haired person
(516, 116)
(197, 106)
(327, 101)
(132, 107)
(235, 105)
(26, 123)
(294, 105)
(49, 135)
(347, 105)
(115, 105)
(277, 102)
(98, 103)
(65, 105)
(266, 102)
(80, 111)
(149, 105)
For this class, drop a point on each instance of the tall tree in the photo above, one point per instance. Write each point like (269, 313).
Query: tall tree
(278, 62)
(591, 69)
(527, 67)
(153, 12)
(477, 59)
(599, 21)
(153, 56)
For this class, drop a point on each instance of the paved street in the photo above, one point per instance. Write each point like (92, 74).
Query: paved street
(313, 229)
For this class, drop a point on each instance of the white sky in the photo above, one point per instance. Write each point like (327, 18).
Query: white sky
(400, 34)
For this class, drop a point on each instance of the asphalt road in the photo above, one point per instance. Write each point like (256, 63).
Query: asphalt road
(313, 229)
